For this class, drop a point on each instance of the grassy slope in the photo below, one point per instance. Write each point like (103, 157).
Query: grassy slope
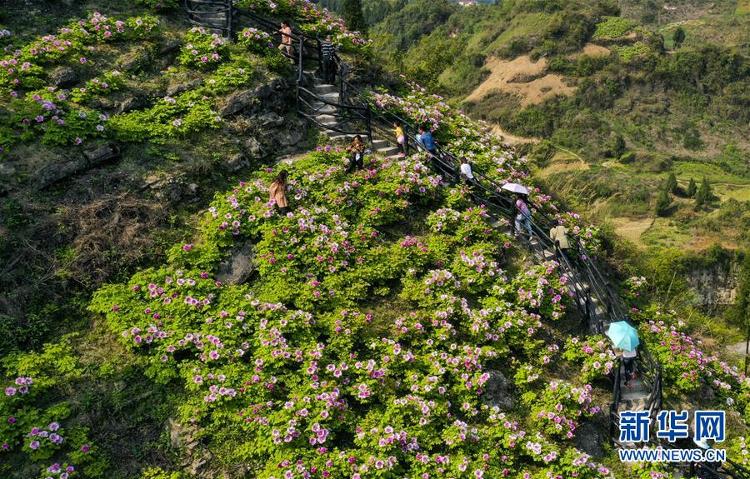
(615, 98)
(59, 243)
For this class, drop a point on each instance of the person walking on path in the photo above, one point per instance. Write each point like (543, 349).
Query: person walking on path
(286, 46)
(628, 361)
(327, 53)
(559, 235)
(357, 152)
(426, 141)
(400, 138)
(277, 192)
(523, 218)
(467, 175)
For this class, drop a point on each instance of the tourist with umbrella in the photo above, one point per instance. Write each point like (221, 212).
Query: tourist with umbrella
(523, 218)
(625, 339)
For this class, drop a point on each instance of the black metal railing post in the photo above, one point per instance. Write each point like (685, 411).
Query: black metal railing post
(300, 65)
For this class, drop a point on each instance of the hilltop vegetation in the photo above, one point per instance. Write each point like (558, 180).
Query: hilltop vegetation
(606, 81)
(164, 320)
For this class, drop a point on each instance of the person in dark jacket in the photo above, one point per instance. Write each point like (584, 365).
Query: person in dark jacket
(328, 54)
(357, 152)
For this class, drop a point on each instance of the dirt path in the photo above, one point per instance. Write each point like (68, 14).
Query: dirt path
(510, 138)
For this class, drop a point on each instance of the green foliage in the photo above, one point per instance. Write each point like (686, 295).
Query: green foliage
(351, 11)
(663, 202)
(158, 473)
(678, 37)
(203, 50)
(611, 28)
(692, 189)
(189, 113)
(159, 5)
(670, 185)
(704, 195)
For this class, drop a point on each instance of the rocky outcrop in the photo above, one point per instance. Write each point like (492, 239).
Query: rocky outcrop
(271, 95)
(715, 286)
(498, 390)
(239, 266)
(590, 436)
(59, 171)
(63, 77)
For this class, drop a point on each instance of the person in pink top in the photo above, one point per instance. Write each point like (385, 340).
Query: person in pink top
(523, 218)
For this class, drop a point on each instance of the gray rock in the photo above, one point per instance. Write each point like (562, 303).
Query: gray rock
(134, 59)
(498, 390)
(70, 166)
(589, 438)
(63, 77)
(254, 147)
(238, 102)
(170, 46)
(271, 119)
(270, 95)
(236, 162)
(130, 103)
(180, 87)
(290, 137)
(239, 266)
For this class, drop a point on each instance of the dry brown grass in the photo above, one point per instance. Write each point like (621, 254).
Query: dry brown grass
(523, 78)
(111, 232)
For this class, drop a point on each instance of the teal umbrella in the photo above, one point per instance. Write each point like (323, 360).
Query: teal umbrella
(623, 335)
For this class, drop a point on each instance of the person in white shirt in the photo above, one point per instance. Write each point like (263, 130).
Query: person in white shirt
(467, 176)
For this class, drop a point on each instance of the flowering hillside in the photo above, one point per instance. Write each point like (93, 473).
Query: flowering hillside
(385, 327)
(366, 344)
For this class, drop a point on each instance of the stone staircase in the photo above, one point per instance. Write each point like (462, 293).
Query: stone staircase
(328, 115)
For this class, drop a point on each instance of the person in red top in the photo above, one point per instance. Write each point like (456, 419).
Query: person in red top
(523, 218)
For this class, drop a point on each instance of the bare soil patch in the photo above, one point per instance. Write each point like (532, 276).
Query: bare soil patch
(521, 77)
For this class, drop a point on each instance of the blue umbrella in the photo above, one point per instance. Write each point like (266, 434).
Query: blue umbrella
(623, 335)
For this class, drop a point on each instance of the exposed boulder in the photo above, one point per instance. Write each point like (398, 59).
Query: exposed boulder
(70, 166)
(177, 87)
(239, 266)
(271, 95)
(134, 60)
(171, 188)
(271, 119)
(589, 438)
(253, 147)
(63, 77)
(236, 162)
(498, 390)
(131, 103)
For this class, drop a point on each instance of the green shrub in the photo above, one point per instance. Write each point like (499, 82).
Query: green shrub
(611, 28)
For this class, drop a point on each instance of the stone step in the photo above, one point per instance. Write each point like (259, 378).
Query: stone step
(323, 88)
(390, 150)
(326, 118)
(379, 144)
(332, 97)
(323, 108)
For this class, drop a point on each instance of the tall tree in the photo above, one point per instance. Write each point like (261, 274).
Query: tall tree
(678, 37)
(692, 188)
(353, 16)
(671, 184)
(663, 202)
(704, 194)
